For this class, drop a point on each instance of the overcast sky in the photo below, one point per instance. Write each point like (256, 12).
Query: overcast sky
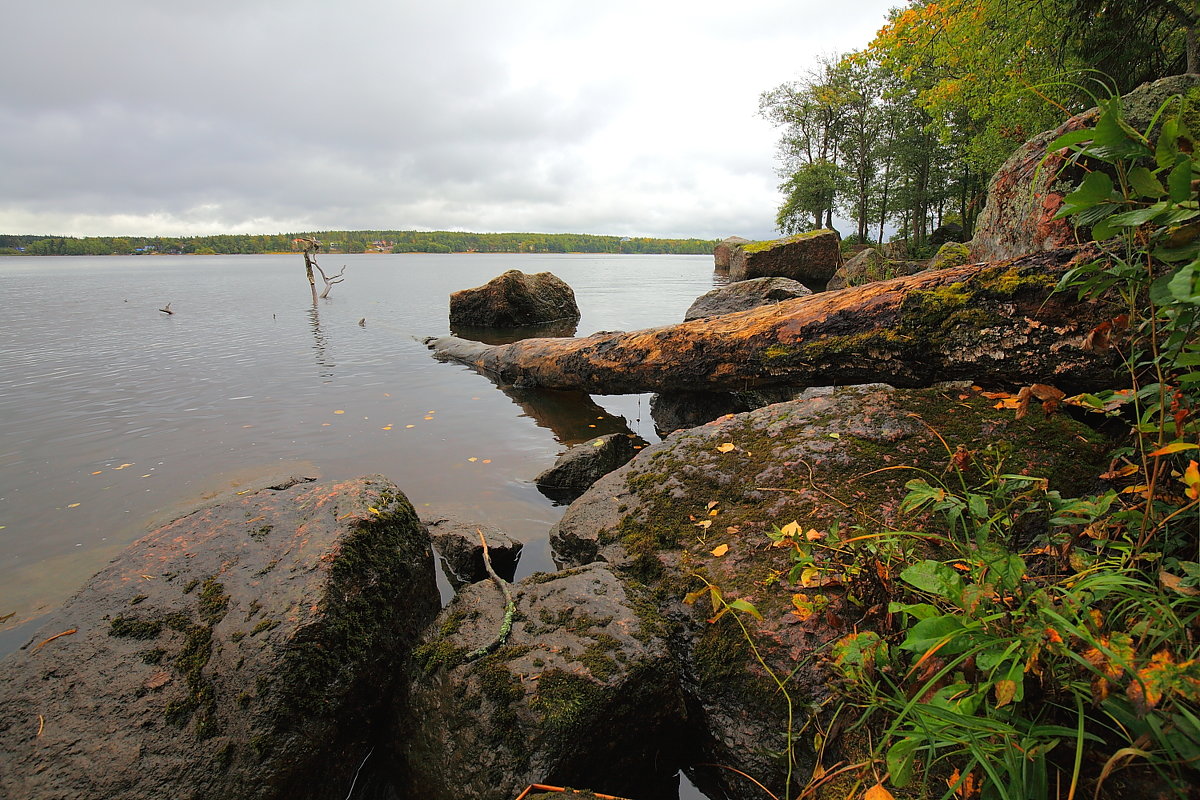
(624, 117)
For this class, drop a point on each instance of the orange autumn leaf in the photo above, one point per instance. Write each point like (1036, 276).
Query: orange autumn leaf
(720, 550)
(726, 447)
(877, 792)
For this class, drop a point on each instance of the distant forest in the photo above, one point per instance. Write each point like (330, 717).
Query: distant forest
(349, 242)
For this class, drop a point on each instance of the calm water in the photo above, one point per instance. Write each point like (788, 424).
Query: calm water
(115, 417)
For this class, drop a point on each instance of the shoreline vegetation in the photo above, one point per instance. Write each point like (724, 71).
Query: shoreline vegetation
(377, 241)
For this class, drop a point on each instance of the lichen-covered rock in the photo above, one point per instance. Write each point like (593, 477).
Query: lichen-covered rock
(871, 265)
(702, 502)
(457, 544)
(741, 295)
(584, 464)
(513, 300)
(582, 694)
(810, 258)
(723, 252)
(1028, 190)
(951, 254)
(242, 651)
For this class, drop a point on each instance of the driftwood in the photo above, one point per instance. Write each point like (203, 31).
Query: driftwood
(998, 324)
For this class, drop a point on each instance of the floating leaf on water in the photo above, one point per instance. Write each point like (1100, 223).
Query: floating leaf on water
(486, 461)
(340, 411)
(97, 472)
(473, 459)
(410, 426)
(427, 417)
(386, 428)
(720, 550)
(76, 505)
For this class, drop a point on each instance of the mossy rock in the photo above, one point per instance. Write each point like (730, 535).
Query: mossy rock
(810, 258)
(582, 693)
(226, 678)
(951, 254)
(698, 507)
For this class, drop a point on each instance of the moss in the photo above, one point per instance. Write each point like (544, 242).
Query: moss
(264, 625)
(237, 636)
(760, 247)
(777, 351)
(154, 656)
(191, 585)
(596, 657)
(438, 654)
(260, 533)
(213, 602)
(564, 700)
(268, 568)
(135, 628)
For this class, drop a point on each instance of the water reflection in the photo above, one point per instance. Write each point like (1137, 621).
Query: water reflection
(572, 416)
(563, 328)
(325, 364)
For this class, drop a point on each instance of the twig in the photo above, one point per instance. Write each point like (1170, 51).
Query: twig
(510, 606)
(55, 636)
(360, 766)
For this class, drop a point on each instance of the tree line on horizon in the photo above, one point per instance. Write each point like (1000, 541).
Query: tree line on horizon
(906, 133)
(350, 242)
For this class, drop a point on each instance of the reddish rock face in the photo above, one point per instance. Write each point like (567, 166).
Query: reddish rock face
(723, 252)
(513, 300)
(1028, 189)
(810, 258)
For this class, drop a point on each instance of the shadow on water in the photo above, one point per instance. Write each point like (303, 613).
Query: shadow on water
(573, 417)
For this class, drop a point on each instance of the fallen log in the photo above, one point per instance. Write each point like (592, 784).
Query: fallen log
(993, 323)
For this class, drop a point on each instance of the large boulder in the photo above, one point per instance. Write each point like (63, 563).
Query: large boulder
(513, 300)
(741, 295)
(723, 252)
(872, 265)
(810, 258)
(461, 552)
(583, 693)
(584, 464)
(696, 509)
(675, 411)
(243, 651)
(1028, 190)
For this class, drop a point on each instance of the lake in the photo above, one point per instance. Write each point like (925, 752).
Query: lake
(116, 417)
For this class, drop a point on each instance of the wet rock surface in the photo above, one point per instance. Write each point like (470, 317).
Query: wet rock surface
(514, 300)
(457, 544)
(584, 464)
(742, 295)
(582, 694)
(241, 651)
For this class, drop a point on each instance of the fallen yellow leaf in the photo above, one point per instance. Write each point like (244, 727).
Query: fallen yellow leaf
(726, 447)
(374, 510)
(720, 550)
(598, 443)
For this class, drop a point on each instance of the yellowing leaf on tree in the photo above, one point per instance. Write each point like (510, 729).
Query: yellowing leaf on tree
(726, 447)
(1175, 447)
(720, 550)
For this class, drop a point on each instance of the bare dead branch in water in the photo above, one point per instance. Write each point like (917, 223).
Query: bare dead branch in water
(167, 309)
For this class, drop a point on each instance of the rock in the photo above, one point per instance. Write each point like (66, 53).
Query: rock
(703, 501)
(584, 464)
(742, 295)
(810, 258)
(869, 266)
(513, 300)
(457, 543)
(1027, 191)
(950, 232)
(582, 694)
(723, 252)
(951, 254)
(243, 651)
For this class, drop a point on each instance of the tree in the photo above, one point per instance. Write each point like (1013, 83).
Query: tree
(810, 191)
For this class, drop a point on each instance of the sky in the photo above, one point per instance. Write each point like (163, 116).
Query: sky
(622, 117)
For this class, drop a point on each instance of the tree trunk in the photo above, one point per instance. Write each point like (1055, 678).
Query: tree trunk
(996, 324)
